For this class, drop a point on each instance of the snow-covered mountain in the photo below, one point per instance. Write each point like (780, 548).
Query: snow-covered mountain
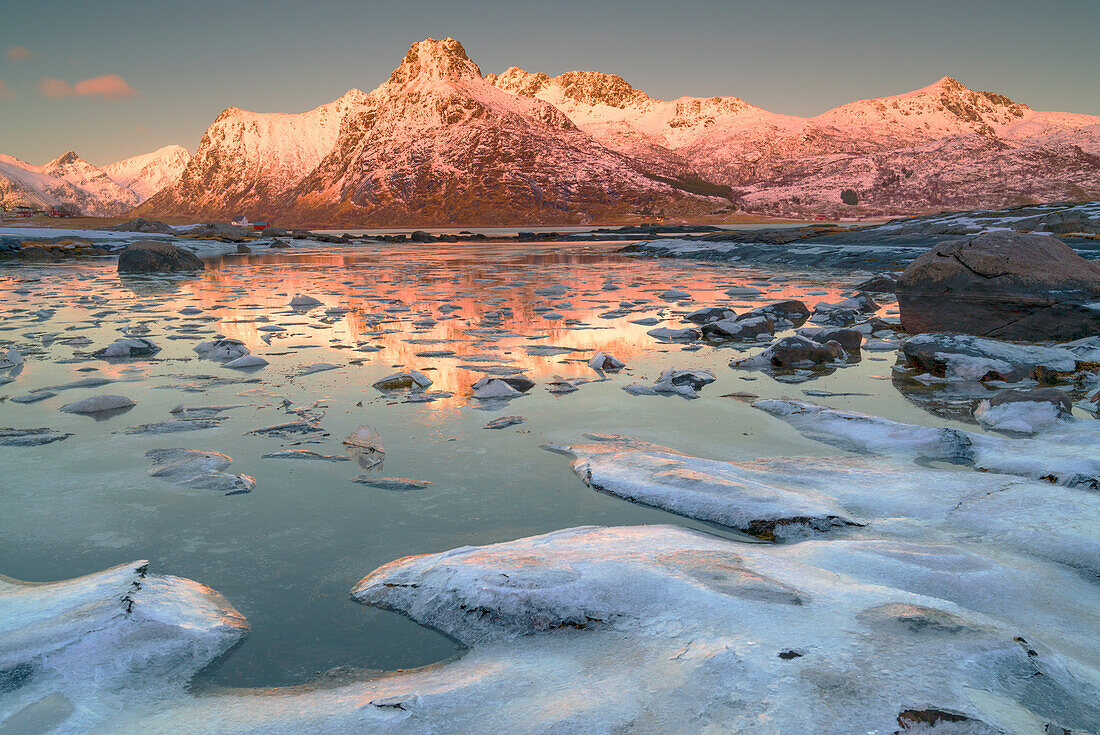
(438, 142)
(942, 145)
(78, 187)
(148, 173)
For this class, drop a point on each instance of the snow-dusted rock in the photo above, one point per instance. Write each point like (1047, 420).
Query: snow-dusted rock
(98, 404)
(198, 469)
(741, 329)
(793, 351)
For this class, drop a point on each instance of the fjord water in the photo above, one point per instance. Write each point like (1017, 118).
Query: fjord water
(287, 553)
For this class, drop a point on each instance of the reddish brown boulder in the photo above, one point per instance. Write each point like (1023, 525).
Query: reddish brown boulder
(1007, 285)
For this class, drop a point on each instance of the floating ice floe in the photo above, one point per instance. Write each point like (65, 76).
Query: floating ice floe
(201, 470)
(98, 404)
(248, 361)
(504, 422)
(10, 437)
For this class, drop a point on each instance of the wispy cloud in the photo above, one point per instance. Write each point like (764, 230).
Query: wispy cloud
(105, 86)
(17, 53)
(5, 90)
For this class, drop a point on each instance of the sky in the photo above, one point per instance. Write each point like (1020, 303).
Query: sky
(114, 78)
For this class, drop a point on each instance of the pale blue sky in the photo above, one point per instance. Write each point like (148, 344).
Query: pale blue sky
(187, 61)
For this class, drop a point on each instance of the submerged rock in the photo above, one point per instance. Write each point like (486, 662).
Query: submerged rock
(391, 483)
(301, 301)
(1007, 285)
(305, 454)
(10, 437)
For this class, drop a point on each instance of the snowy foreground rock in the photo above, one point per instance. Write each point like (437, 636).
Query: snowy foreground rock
(653, 629)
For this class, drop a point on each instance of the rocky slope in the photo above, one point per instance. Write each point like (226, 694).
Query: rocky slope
(440, 143)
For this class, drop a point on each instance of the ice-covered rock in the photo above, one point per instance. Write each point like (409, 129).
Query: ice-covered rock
(202, 470)
(711, 314)
(705, 489)
(656, 626)
(407, 380)
(494, 388)
(129, 347)
(1066, 455)
(98, 404)
(793, 351)
(1025, 411)
(687, 334)
(739, 329)
(222, 349)
(301, 301)
(964, 357)
(605, 363)
(67, 647)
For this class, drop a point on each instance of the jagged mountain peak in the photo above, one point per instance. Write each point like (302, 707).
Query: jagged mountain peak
(66, 159)
(435, 59)
(584, 87)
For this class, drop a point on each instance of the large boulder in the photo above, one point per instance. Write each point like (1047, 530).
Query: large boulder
(143, 225)
(1008, 285)
(157, 257)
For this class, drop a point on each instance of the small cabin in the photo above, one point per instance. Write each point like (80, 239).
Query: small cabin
(240, 221)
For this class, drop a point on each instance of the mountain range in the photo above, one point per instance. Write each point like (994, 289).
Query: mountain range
(441, 143)
(77, 187)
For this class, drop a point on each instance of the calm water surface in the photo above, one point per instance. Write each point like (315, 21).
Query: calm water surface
(287, 553)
